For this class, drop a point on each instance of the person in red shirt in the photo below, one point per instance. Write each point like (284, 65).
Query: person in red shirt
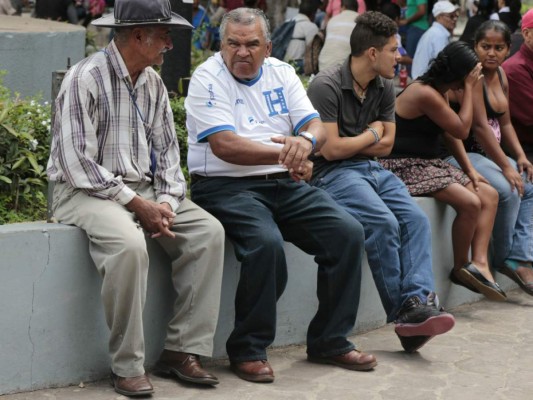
(519, 70)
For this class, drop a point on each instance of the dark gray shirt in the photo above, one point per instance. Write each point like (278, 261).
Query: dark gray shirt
(333, 95)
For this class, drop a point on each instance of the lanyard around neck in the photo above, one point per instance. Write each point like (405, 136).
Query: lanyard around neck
(153, 160)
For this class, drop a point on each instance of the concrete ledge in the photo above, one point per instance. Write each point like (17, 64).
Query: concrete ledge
(54, 332)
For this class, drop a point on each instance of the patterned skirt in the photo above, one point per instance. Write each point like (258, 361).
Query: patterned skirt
(425, 176)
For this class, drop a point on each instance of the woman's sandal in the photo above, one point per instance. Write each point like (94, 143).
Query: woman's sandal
(491, 290)
(510, 269)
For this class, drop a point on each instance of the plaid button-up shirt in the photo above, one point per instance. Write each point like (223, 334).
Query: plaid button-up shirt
(105, 129)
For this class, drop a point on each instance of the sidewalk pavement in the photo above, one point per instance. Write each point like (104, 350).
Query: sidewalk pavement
(486, 356)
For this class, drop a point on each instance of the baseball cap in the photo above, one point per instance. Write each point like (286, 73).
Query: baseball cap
(443, 7)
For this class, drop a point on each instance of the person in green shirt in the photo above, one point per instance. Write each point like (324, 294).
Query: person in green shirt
(416, 22)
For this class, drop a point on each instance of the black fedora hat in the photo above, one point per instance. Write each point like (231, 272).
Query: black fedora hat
(142, 12)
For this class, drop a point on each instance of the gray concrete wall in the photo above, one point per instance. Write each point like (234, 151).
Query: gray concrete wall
(53, 332)
(31, 49)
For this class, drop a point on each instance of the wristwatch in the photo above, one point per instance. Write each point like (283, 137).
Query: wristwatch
(308, 136)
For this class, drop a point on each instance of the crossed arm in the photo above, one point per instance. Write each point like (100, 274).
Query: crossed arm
(294, 154)
(340, 148)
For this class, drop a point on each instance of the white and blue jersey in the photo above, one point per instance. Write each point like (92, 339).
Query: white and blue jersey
(273, 104)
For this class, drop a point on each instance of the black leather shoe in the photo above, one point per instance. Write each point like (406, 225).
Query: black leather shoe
(491, 290)
(464, 284)
(418, 318)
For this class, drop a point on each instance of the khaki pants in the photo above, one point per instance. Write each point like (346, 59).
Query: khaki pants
(118, 249)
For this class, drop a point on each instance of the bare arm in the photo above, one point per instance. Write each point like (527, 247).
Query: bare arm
(384, 146)
(485, 137)
(235, 149)
(420, 12)
(510, 139)
(511, 142)
(457, 149)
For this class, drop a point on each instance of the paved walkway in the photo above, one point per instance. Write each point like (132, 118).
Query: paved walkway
(485, 357)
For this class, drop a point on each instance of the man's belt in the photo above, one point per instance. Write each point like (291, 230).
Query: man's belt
(278, 175)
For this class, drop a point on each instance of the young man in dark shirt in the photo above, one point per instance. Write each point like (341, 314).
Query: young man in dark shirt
(356, 103)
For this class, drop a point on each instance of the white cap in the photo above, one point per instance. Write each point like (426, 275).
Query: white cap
(443, 7)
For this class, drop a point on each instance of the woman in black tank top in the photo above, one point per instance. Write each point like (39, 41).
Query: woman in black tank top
(423, 115)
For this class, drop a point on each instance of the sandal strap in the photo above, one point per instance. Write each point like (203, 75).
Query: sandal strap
(515, 264)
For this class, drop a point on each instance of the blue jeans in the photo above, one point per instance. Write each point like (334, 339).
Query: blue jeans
(258, 216)
(414, 33)
(512, 236)
(397, 232)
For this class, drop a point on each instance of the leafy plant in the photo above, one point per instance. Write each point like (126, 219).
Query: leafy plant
(24, 148)
(177, 104)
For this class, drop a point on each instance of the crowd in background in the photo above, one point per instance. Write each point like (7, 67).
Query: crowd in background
(72, 11)
(414, 18)
(333, 20)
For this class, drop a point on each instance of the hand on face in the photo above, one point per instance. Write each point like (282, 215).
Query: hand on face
(474, 75)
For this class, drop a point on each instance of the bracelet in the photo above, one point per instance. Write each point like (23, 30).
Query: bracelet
(375, 133)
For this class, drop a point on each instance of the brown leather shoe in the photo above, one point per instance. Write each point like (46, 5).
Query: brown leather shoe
(254, 371)
(136, 386)
(185, 366)
(354, 360)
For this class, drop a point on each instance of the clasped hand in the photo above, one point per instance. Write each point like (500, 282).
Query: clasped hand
(155, 218)
(294, 156)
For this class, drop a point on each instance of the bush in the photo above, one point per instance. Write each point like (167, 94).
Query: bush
(177, 104)
(24, 149)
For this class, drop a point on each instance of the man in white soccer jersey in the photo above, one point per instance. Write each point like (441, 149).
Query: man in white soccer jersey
(251, 128)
